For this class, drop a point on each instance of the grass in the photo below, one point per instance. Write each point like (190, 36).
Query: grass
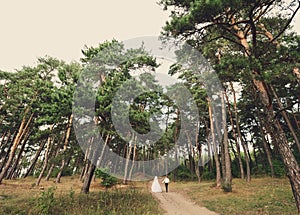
(260, 196)
(21, 197)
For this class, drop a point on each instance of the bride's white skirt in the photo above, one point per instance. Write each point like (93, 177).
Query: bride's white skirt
(156, 188)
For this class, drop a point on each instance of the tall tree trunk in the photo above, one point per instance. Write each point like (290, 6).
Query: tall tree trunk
(4, 159)
(34, 160)
(293, 170)
(66, 142)
(54, 152)
(281, 143)
(238, 149)
(286, 118)
(255, 155)
(219, 133)
(198, 151)
(91, 168)
(278, 137)
(237, 121)
(61, 169)
(176, 133)
(107, 139)
(88, 178)
(85, 170)
(210, 159)
(223, 159)
(3, 136)
(133, 159)
(38, 181)
(85, 166)
(49, 172)
(266, 144)
(16, 163)
(295, 118)
(68, 132)
(213, 139)
(247, 156)
(23, 126)
(192, 155)
(269, 155)
(86, 163)
(228, 175)
(127, 162)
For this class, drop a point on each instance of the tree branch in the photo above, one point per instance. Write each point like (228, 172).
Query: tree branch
(287, 24)
(284, 109)
(265, 10)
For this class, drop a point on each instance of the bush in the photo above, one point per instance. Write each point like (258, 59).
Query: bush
(107, 180)
(183, 173)
(261, 170)
(279, 169)
(208, 175)
(46, 202)
(67, 171)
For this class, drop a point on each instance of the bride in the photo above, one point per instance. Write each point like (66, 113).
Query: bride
(156, 188)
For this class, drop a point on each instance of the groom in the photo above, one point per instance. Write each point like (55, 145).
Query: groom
(166, 181)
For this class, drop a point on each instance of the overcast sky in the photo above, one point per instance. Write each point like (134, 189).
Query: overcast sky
(60, 28)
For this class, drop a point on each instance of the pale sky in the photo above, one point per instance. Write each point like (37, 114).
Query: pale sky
(60, 28)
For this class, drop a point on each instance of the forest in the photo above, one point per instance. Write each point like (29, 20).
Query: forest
(61, 119)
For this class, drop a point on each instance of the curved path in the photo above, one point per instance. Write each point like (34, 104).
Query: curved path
(176, 204)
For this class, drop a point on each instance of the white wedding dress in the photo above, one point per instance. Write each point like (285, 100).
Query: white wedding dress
(156, 188)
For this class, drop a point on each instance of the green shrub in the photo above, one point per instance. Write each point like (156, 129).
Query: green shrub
(46, 202)
(183, 173)
(260, 169)
(207, 174)
(67, 171)
(279, 169)
(107, 180)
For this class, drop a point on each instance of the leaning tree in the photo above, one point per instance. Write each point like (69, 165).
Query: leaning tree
(255, 29)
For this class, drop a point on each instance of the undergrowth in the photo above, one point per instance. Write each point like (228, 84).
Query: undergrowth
(113, 202)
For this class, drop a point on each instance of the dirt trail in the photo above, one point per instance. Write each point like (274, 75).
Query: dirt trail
(176, 204)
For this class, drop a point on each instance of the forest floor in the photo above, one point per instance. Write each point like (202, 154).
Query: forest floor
(260, 196)
(22, 197)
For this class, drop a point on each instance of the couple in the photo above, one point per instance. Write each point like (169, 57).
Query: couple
(156, 188)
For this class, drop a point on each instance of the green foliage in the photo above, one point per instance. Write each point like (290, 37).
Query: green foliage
(279, 169)
(235, 171)
(262, 59)
(205, 25)
(182, 172)
(263, 167)
(106, 180)
(67, 171)
(261, 170)
(72, 194)
(207, 174)
(46, 202)
(114, 202)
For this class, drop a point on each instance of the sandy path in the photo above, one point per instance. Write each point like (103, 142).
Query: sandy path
(176, 204)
